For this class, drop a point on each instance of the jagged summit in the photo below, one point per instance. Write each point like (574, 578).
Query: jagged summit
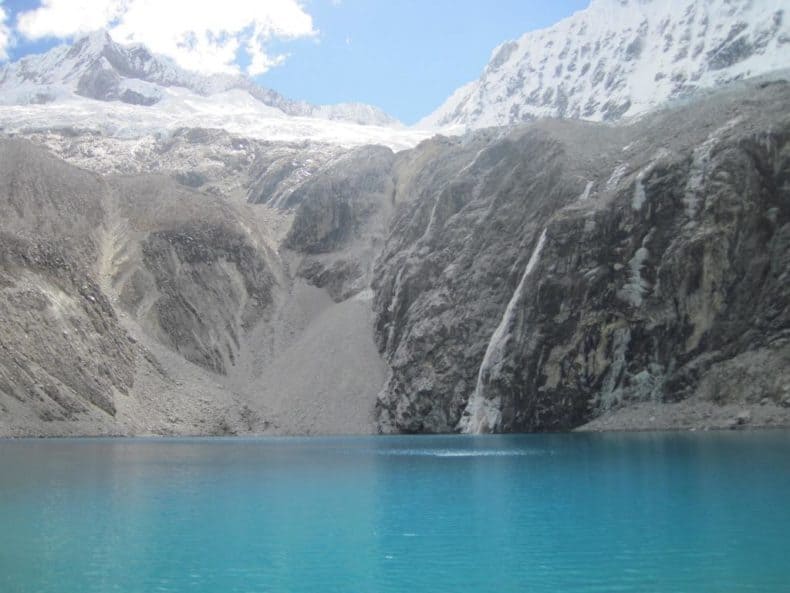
(621, 58)
(96, 67)
(127, 91)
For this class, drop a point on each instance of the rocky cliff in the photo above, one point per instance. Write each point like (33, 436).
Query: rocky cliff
(566, 269)
(62, 348)
(542, 277)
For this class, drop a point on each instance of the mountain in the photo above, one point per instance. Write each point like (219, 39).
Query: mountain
(128, 91)
(620, 58)
(543, 277)
(562, 271)
(96, 67)
(183, 254)
(134, 304)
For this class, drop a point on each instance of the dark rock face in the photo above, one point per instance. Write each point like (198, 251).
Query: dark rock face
(333, 206)
(188, 272)
(99, 82)
(341, 220)
(340, 278)
(662, 274)
(135, 98)
(212, 285)
(655, 303)
(445, 273)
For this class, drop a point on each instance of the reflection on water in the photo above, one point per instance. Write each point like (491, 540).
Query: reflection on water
(572, 513)
(458, 452)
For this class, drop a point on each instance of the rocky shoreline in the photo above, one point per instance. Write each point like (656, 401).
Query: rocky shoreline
(691, 416)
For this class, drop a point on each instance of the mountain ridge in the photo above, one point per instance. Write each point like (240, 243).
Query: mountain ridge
(209, 264)
(621, 58)
(121, 91)
(526, 279)
(97, 67)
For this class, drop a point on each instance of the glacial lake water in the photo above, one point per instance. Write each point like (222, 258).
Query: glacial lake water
(571, 513)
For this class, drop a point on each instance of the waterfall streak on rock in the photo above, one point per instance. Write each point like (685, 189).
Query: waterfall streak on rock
(482, 414)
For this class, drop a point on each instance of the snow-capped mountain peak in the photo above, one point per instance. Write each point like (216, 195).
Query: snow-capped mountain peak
(127, 92)
(620, 58)
(96, 67)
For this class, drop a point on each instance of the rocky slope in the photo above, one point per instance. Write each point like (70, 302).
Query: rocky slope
(63, 349)
(621, 58)
(535, 278)
(133, 304)
(208, 160)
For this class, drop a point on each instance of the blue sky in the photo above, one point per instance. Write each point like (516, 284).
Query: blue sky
(405, 57)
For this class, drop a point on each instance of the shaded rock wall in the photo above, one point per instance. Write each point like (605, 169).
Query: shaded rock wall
(664, 270)
(341, 218)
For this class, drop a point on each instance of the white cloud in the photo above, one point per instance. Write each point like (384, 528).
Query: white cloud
(65, 18)
(5, 34)
(203, 36)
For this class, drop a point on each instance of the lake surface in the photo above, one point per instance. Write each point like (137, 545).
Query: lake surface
(560, 513)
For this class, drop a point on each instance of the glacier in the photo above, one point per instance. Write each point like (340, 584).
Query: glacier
(98, 85)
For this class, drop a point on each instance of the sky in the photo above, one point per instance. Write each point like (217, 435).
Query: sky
(404, 56)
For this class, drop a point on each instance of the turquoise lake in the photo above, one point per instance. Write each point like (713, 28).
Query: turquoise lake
(570, 513)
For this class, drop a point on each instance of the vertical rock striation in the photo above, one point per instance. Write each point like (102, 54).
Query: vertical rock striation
(663, 271)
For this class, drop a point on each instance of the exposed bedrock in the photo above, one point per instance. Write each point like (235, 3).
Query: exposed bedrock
(569, 269)
(187, 268)
(524, 279)
(62, 351)
(341, 219)
(94, 274)
(135, 305)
